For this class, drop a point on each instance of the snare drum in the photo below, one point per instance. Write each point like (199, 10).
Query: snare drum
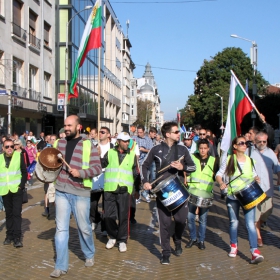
(200, 198)
(250, 196)
(171, 192)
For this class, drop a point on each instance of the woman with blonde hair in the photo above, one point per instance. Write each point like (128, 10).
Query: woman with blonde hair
(19, 148)
(240, 171)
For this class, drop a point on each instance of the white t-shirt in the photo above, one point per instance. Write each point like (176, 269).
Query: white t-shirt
(104, 149)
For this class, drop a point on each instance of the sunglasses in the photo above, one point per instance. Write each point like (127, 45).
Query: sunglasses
(125, 141)
(202, 133)
(7, 147)
(242, 143)
(102, 132)
(258, 142)
(175, 132)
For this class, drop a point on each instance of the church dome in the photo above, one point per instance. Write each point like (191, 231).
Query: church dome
(146, 87)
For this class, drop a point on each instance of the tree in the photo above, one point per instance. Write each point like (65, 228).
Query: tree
(204, 107)
(144, 112)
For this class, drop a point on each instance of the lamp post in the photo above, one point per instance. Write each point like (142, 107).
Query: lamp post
(66, 61)
(254, 62)
(222, 112)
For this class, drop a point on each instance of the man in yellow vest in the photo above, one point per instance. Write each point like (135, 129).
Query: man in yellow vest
(121, 170)
(73, 186)
(203, 179)
(13, 176)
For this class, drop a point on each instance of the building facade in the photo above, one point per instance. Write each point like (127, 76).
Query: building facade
(147, 90)
(27, 65)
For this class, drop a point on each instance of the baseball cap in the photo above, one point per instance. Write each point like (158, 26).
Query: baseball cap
(188, 135)
(123, 136)
(61, 130)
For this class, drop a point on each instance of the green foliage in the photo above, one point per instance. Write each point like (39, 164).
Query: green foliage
(144, 112)
(214, 77)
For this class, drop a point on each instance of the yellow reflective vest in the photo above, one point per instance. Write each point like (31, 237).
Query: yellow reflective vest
(245, 179)
(119, 174)
(202, 179)
(10, 178)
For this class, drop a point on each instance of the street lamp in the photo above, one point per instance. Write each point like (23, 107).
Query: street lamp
(254, 62)
(66, 61)
(222, 112)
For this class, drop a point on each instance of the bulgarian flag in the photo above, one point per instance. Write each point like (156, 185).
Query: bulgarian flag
(239, 105)
(91, 40)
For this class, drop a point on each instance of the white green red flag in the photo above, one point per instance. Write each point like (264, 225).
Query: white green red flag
(239, 105)
(91, 39)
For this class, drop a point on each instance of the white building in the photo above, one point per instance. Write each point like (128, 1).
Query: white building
(27, 64)
(147, 90)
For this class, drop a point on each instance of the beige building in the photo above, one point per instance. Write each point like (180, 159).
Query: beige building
(27, 65)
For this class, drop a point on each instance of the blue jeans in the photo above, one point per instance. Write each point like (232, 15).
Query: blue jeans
(203, 212)
(152, 171)
(233, 207)
(66, 203)
(1, 203)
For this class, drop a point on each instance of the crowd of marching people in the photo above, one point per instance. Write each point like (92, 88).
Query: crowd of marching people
(120, 171)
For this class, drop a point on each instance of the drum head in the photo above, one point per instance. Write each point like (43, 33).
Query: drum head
(164, 183)
(49, 159)
(200, 193)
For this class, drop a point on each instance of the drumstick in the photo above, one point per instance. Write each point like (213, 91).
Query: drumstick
(60, 157)
(156, 179)
(166, 167)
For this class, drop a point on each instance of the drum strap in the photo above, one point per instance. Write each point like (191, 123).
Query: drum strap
(166, 159)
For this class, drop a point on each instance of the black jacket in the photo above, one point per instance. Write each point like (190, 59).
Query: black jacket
(163, 155)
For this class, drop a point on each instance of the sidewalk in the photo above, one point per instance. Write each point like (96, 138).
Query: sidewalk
(36, 259)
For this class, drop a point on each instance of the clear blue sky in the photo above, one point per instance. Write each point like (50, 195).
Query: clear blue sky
(182, 35)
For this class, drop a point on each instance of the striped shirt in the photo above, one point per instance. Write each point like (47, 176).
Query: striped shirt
(69, 184)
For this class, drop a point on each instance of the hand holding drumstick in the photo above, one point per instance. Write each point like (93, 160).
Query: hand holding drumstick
(73, 172)
(175, 164)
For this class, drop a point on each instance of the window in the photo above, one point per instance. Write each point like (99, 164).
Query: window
(17, 18)
(132, 92)
(132, 112)
(2, 68)
(32, 29)
(17, 64)
(47, 78)
(32, 82)
(2, 11)
(47, 28)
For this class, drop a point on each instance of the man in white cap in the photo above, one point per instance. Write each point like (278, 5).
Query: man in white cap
(120, 173)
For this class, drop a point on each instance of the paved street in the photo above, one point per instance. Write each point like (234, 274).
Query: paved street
(36, 259)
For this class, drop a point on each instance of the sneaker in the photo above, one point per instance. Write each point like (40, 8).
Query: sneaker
(111, 243)
(138, 200)
(257, 257)
(165, 260)
(57, 273)
(233, 251)
(17, 243)
(7, 241)
(89, 262)
(93, 226)
(178, 250)
(122, 247)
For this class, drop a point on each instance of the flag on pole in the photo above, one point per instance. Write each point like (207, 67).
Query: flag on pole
(183, 129)
(91, 39)
(239, 105)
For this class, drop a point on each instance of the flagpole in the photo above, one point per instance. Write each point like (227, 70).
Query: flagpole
(99, 92)
(245, 93)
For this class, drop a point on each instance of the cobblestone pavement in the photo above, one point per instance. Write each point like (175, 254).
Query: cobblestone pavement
(36, 259)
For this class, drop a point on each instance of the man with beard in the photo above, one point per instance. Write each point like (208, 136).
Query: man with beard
(13, 176)
(266, 164)
(73, 186)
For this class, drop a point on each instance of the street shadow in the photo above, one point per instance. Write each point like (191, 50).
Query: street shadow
(73, 243)
(25, 226)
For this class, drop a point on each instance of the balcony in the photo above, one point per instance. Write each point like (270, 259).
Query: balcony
(34, 41)
(19, 91)
(34, 95)
(19, 32)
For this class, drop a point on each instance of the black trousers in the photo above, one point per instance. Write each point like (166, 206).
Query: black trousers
(94, 215)
(132, 207)
(13, 208)
(165, 221)
(116, 205)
